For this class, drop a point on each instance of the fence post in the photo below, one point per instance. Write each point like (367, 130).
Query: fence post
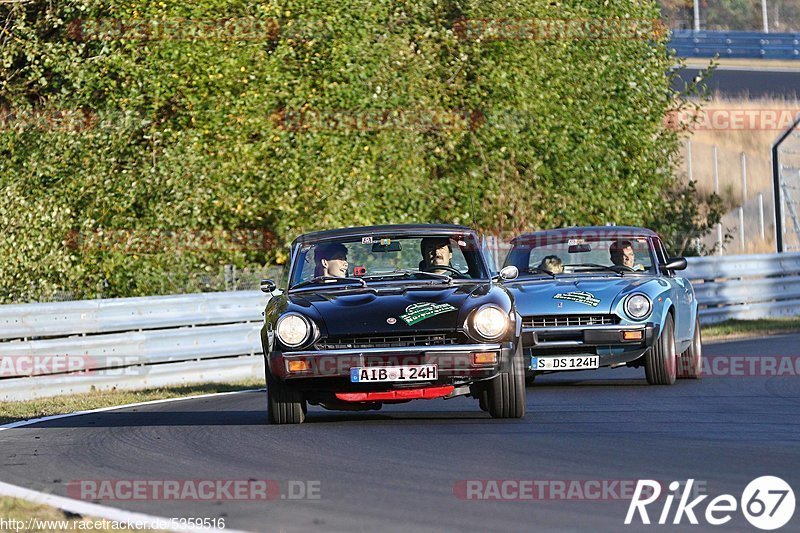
(716, 169)
(741, 228)
(744, 178)
(719, 238)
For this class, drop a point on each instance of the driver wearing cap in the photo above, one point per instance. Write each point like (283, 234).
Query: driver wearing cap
(435, 251)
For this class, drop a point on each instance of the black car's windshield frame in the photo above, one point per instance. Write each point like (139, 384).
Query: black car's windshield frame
(468, 246)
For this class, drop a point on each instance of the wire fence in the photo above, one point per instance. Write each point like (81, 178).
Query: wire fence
(772, 16)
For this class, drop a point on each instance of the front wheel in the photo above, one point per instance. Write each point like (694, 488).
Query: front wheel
(660, 360)
(284, 404)
(505, 394)
(691, 361)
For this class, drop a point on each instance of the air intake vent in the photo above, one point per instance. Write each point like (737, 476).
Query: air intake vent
(556, 321)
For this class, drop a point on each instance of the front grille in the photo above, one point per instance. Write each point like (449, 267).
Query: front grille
(556, 321)
(388, 341)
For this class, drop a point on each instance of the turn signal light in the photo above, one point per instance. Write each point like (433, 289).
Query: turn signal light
(297, 366)
(631, 335)
(484, 358)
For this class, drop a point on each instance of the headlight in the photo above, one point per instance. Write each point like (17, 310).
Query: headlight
(490, 322)
(293, 329)
(638, 306)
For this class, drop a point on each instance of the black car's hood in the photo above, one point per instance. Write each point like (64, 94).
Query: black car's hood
(393, 310)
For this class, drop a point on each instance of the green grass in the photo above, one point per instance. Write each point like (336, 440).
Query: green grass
(16, 411)
(751, 328)
(59, 521)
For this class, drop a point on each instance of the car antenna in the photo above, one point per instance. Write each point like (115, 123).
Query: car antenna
(472, 205)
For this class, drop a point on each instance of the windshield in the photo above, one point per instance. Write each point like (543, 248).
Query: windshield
(554, 256)
(373, 258)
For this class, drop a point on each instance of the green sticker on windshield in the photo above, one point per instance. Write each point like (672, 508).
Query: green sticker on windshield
(424, 310)
(582, 297)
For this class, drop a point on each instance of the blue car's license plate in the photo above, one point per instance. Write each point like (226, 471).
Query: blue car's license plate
(570, 362)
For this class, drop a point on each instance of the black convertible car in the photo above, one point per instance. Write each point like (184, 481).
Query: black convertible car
(389, 314)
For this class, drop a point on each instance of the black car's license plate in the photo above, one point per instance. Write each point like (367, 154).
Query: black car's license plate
(394, 373)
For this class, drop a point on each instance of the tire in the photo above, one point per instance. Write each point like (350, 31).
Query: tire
(660, 361)
(483, 403)
(284, 404)
(505, 394)
(690, 362)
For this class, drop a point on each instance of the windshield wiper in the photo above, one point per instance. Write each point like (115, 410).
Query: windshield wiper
(321, 279)
(406, 271)
(534, 270)
(604, 267)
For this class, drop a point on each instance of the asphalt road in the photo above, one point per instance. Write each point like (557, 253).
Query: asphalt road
(403, 468)
(733, 82)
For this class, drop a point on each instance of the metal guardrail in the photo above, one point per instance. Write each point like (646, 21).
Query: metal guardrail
(741, 44)
(61, 348)
(48, 349)
(746, 286)
(126, 314)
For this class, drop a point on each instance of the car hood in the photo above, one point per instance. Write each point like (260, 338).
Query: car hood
(394, 310)
(573, 295)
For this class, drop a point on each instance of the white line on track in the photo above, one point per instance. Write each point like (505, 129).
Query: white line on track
(93, 509)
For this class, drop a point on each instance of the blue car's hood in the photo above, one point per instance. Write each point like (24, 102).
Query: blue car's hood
(571, 295)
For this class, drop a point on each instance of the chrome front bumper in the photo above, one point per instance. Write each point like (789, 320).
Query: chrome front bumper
(452, 360)
(588, 336)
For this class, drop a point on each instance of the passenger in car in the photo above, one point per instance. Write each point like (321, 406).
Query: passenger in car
(331, 260)
(552, 264)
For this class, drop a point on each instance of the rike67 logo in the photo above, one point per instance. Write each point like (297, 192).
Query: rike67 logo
(767, 503)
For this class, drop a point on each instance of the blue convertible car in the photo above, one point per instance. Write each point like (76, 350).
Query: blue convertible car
(605, 296)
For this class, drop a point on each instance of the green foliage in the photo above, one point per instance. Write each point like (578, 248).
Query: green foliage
(688, 216)
(179, 136)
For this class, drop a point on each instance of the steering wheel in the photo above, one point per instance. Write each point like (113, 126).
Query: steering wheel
(444, 267)
(622, 268)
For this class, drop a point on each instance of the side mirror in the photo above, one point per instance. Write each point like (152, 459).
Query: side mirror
(509, 273)
(267, 286)
(674, 263)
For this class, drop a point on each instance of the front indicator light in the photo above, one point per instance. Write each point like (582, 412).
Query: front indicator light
(484, 358)
(297, 366)
(631, 335)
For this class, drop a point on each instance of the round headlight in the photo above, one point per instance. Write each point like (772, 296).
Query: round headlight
(293, 329)
(638, 306)
(490, 322)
